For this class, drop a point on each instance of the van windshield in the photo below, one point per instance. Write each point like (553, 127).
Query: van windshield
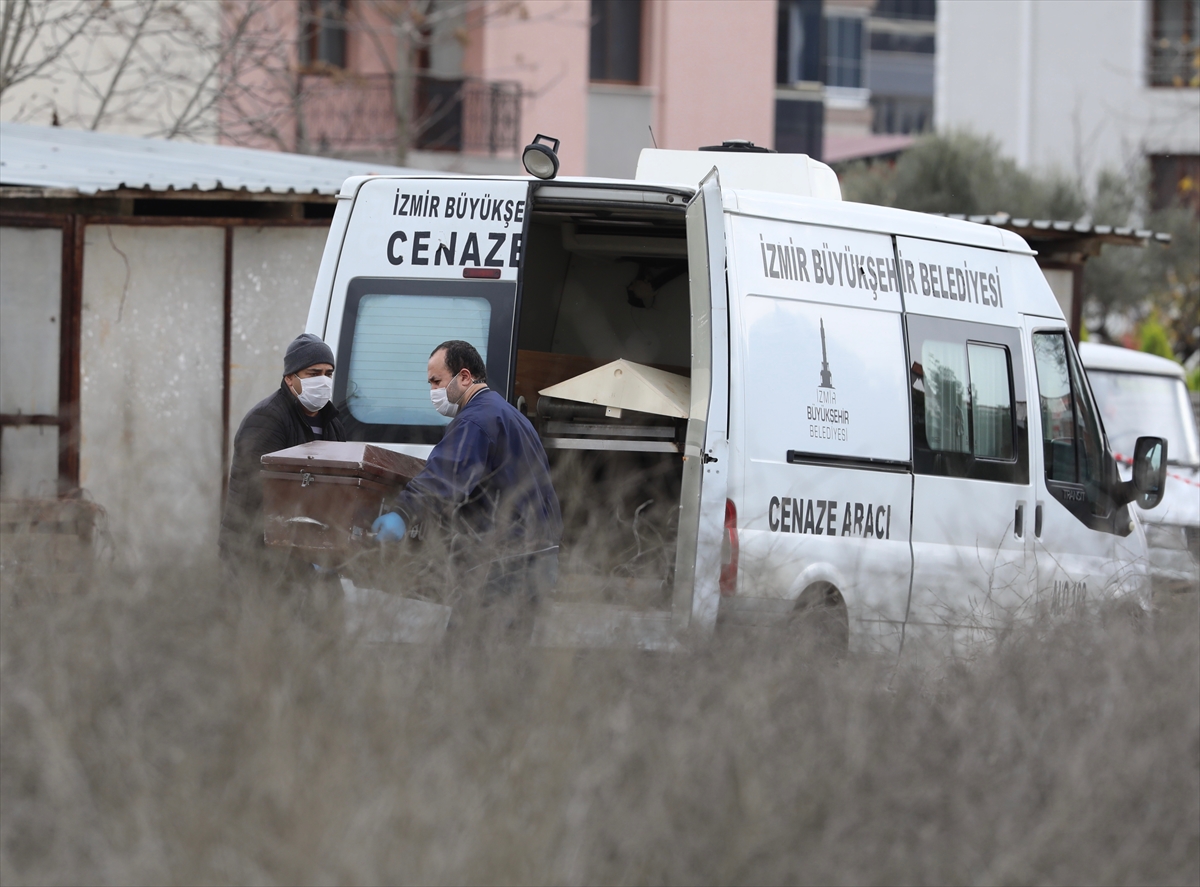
(1135, 404)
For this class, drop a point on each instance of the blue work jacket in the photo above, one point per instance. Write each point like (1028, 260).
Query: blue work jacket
(488, 478)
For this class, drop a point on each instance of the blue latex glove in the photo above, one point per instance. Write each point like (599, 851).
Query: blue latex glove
(389, 527)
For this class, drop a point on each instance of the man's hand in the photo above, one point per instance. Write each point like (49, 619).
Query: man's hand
(389, 527)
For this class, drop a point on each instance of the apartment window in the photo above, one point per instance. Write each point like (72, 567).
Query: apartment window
(918, 10)
(901, 114)
(798, 47)
(889, 41)
(1174, 46)
(799, 127)
(323, 33)
(616, 41)
(844, 51)
(1175, 181)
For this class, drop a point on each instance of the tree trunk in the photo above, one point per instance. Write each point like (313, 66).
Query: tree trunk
(403, 84)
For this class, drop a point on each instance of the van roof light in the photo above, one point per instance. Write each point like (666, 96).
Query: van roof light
(541, 160)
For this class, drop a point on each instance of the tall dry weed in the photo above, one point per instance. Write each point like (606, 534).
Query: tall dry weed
(152, 731)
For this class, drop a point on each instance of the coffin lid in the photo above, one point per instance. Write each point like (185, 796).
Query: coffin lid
(629, 386)
(353, 457)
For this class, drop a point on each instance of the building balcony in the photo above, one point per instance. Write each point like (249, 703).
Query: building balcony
(355, 115)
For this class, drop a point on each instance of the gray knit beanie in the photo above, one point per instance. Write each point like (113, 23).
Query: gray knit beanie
(306, 350)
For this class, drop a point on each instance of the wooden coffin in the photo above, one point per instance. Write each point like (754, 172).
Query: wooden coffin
(324, 495)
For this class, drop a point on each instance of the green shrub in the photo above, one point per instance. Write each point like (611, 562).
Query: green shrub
(1153, 338)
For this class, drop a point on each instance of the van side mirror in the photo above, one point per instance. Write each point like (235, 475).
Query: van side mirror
(1149, 473)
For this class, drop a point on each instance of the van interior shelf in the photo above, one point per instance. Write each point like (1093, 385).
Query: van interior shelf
(629, 446)
(659, 431)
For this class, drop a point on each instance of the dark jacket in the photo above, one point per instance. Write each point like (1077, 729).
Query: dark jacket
(489, 479)
(276, 423)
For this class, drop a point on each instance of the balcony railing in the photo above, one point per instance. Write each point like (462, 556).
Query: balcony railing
(356, 114)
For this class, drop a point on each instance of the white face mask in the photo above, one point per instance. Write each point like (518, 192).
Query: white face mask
(441, 402)
(315, 392)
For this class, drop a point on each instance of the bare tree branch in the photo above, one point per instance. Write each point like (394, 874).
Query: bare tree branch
(133, 42)
(34, 26)
(227, 45)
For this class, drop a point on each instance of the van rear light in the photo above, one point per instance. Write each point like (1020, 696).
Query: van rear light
(485, 273)
(729, 551)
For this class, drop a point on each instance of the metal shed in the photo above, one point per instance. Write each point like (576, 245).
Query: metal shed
(147, 290)
(1063, 248)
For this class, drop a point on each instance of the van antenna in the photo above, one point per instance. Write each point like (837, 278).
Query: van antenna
(652, 141)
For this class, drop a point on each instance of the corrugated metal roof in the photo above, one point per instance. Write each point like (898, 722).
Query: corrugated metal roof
(88, 162)
(1048, 229)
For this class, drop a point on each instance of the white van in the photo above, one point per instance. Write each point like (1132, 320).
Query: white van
(1145, 394)
(883, 419)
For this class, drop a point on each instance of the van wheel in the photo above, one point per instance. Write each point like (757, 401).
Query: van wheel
(820, 621)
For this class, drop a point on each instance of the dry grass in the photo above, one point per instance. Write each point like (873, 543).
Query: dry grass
(151, 733)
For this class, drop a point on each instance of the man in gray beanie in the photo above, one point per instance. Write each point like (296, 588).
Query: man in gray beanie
(297, 413)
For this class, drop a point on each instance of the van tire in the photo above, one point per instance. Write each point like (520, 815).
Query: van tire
(820, 621)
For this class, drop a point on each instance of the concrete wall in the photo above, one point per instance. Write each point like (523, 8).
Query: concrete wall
(273, 274)
(1061, 83)
(151, 384)
(30, 301)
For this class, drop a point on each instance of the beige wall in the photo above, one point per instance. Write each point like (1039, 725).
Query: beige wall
(151, 385)
(273, 274)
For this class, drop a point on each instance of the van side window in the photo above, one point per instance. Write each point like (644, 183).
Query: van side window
(1072, 446)
(946, 398)
(968, 399)
(991, 401)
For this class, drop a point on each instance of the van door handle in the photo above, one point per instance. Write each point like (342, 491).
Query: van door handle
(1037, 521)
(1019, 521)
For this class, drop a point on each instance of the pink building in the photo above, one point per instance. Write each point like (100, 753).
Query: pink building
(597, 75)
(464, 84)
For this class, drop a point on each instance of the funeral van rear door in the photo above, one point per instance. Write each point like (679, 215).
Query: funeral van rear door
(423, 261)
(698, 559)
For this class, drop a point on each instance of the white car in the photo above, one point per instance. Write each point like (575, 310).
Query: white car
(1141, 394)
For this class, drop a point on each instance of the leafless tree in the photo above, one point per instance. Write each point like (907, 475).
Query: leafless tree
(284, 93)
(154, 67)
(248, 71)
(34, 35)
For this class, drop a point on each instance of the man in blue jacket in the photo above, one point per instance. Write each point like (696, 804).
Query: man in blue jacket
(488, 481)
